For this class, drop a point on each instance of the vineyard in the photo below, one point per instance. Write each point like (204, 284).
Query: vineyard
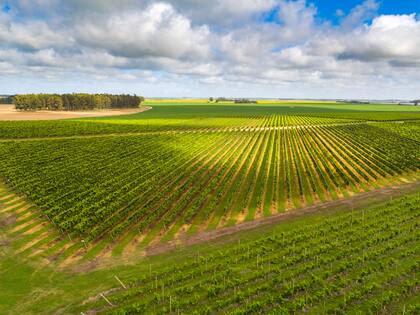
(215, 209)
(148, 188)
(359, 262)
(410, 130)
(128, 126)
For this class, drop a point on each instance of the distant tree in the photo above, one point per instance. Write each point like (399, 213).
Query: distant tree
(211, 99)
(244, 101)
(54, 102)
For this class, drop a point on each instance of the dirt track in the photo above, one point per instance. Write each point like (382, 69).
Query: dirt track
(8, 112)
(358, 201)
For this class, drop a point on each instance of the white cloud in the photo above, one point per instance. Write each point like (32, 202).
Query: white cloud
(388, 39)
(360, 13)
(31, 35)
(158, 31)
(217, 43)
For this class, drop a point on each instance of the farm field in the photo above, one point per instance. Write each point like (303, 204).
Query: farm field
(359, 259)
(209, 157)
(81, 194)
(9, 112)
(362, 262)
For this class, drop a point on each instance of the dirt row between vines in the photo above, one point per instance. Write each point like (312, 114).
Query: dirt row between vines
(355, 202)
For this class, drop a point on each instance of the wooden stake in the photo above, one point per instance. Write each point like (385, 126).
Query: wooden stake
(118, 279)
(103, 296)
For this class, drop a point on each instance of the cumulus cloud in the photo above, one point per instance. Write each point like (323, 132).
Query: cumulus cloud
(360, 14)
(390, 37)
(31, 35)
(212, 42)
(157, 31)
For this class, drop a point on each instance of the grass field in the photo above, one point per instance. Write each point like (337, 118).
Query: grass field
(81, 194)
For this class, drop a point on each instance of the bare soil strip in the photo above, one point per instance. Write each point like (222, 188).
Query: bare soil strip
(357, 201)
(8, 112)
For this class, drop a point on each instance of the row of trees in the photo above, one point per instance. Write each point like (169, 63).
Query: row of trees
(75, 101)
(234, 100)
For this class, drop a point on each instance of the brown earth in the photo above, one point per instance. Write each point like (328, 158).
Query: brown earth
(357, 201)
(8, 112)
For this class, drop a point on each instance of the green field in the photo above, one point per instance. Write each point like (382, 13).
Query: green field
(82, 194)
(355, 262)
(348, 260)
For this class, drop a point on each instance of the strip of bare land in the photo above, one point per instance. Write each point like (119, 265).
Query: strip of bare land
(8, 112)
(355, 202)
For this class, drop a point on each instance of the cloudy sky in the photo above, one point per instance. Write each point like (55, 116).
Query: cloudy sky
(202, 48)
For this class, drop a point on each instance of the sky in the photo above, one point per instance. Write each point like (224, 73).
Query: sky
(358, 49)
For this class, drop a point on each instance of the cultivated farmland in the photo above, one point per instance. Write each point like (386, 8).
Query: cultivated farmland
(81, 194)
(351, 263)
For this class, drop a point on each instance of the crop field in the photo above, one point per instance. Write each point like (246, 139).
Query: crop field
(83, 193)
(355, 263)
(410, 130)
(150, 187)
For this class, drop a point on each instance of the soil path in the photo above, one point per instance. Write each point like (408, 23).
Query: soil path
(358, 201)
(8, 112)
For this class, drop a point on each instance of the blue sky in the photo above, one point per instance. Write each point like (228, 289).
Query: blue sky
(328, 9)
(189, 48)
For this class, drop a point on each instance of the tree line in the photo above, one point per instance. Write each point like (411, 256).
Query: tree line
(234, 100)
(75, 101)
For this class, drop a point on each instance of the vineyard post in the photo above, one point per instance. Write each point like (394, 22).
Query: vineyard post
(122, 284)
(170, 304)
(108, 301)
